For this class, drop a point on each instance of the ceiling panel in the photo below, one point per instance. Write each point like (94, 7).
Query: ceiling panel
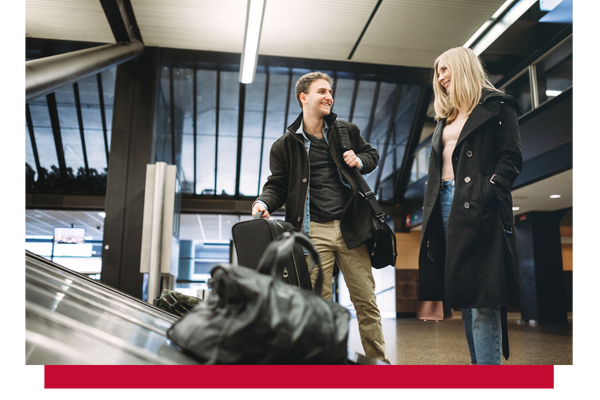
(80, 20)
(192, 24)
(313, 28)
(536, 197)
(415, 32)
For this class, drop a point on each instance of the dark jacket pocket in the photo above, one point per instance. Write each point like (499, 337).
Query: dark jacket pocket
(489, 193)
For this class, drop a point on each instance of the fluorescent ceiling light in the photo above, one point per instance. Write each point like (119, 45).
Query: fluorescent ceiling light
(498, 26)
(553, 93)
(487, 23)
(516, 208)
(555, 196)
(254, 18)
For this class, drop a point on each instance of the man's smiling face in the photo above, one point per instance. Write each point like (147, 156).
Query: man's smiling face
(319, 98)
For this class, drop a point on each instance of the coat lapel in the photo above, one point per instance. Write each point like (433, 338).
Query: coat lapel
(477, 117)
(436, 140)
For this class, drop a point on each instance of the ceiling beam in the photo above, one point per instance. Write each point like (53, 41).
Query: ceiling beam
(46, 75)
(120, 17)
(364, 29)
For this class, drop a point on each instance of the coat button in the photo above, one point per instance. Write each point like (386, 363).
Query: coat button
(299, 219)
(467, 205)
(467, 179)
(304, 180)
(469, 153)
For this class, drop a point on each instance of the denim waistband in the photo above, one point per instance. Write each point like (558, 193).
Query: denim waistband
(449, 182)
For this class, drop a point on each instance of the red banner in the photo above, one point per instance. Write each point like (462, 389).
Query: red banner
(308, 378)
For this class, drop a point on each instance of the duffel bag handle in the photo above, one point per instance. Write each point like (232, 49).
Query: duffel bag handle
(278, 250)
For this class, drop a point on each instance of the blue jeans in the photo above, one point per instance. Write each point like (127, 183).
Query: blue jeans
(483, 326)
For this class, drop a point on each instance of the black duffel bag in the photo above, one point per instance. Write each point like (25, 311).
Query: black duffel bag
(255, 318)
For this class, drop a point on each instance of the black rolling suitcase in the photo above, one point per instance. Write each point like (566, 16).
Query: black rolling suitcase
(252, 237)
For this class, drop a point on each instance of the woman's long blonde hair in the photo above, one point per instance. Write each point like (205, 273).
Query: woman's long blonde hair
(466, 84)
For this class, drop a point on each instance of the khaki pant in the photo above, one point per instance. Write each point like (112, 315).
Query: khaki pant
(355, 265)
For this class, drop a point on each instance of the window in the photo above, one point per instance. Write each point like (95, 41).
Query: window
(70, 152)
(521, 90)
(209, 151)
(555, 72)
(544, 79)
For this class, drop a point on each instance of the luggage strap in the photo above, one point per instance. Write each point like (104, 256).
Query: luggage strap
(174, 305)
(365, 191)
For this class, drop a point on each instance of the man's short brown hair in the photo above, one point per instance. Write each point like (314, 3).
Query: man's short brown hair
(305, 81)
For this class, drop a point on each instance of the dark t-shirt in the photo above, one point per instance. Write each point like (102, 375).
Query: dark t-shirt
(328, 195)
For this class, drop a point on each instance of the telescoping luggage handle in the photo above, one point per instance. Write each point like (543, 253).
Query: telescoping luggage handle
(365, 190)
(277, 251)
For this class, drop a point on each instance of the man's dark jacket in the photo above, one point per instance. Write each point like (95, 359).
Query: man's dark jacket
(290, 179)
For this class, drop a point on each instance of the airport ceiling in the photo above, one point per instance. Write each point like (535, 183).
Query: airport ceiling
(408, 33)
(401, 32)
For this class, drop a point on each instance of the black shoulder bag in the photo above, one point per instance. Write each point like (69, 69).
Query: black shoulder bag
(382, 245)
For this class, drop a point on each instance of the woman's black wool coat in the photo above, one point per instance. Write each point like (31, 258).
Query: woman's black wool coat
(475, 265)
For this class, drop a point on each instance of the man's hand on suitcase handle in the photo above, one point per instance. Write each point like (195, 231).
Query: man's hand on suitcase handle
(258, 207)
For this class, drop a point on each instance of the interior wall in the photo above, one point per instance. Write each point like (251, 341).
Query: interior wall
(407, 273)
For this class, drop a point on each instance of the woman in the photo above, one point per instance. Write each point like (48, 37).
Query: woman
(468, 254)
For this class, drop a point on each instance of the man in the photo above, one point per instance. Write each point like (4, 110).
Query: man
(311, 176)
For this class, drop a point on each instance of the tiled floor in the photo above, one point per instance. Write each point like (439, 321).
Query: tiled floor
(413, 342)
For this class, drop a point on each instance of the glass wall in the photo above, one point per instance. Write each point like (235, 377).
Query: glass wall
(70, 238)
(68, 137)
(217, 131)
(520, 89)
(420, 163)
(396, 146)
(554, 72)
(225, 130)
(544, 79)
